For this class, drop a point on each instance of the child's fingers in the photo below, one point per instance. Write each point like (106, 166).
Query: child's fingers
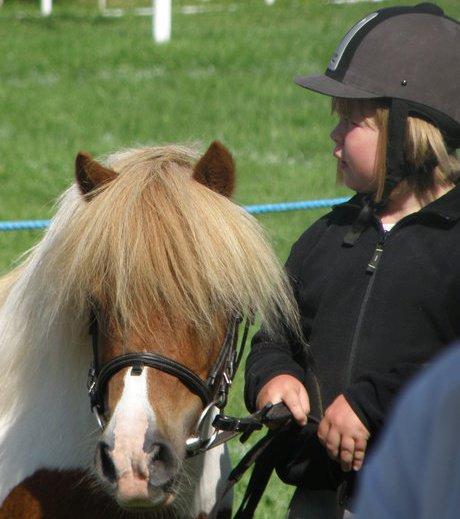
(292, 400)
(286, 388)
(360, 452)
(323, 429)
(333, 442)
(347, 451)
(304, 401)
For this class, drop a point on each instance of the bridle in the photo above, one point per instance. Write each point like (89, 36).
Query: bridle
(213, 391)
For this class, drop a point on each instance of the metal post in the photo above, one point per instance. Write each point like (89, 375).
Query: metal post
(161, 20)
(46, 6)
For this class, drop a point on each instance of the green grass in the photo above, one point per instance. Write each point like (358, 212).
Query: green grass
(78, 80)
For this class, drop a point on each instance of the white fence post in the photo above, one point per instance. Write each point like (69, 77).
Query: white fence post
(269, 2)
(46, 7)
(161, 20)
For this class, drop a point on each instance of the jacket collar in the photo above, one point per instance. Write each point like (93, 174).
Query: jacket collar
(446, 206)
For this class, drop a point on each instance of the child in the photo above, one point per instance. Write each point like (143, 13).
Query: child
(377, 280)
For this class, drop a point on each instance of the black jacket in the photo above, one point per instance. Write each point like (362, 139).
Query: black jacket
(373, 313)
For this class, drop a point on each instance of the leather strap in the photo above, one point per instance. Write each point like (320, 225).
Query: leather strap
(152, 360)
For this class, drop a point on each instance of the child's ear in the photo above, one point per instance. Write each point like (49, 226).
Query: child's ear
(90, 174)
(216, 169)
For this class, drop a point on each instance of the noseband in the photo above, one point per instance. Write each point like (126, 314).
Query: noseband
(213, 391)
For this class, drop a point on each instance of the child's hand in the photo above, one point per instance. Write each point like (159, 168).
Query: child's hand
(287, 389)
(343, 434)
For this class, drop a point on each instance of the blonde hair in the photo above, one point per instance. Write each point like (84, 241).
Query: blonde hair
(426, 153)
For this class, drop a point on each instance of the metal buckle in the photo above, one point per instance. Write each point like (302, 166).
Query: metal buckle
(99, 418)
(201, 439)
(91, 380)
(90, 386)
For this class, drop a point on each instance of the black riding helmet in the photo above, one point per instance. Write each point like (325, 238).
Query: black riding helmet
(409, 56)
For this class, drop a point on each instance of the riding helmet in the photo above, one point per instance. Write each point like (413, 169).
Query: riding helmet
(406, 53)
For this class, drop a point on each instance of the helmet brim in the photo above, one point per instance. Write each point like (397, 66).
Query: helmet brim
(326, 85)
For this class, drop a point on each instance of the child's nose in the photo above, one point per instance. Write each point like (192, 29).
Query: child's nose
(337, 133)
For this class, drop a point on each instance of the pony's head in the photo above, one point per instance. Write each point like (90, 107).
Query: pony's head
(164, 258)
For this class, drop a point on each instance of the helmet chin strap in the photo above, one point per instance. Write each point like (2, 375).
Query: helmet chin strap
(396, 167)
(396, 163)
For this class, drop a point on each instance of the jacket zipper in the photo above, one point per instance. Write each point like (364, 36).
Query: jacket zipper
(370, 271)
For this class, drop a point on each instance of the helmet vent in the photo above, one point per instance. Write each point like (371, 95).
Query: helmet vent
(337, 56)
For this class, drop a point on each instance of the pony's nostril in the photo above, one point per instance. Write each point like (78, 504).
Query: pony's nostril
(156, 453)
(162, 464)
(160, 453)
(107, 465)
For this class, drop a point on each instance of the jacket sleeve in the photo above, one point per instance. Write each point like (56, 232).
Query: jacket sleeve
(372, 395)
(271, 356)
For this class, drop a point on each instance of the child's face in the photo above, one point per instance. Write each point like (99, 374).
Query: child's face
(356, 137)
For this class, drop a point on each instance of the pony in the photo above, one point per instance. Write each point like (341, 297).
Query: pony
(149, 245)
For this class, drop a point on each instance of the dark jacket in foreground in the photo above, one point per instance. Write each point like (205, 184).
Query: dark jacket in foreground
(373, 313)
(415, 471)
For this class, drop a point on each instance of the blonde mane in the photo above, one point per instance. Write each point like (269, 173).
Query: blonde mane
(154, 238)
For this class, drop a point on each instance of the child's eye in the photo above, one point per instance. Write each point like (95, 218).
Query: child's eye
(350, 122)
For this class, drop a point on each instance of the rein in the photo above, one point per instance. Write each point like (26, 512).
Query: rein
(261, 457)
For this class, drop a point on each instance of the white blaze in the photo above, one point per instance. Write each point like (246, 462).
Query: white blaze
(129, 425)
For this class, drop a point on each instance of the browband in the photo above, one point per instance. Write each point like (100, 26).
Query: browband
(152, 360)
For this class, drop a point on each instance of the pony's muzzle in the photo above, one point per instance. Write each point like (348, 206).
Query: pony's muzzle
(139, 480)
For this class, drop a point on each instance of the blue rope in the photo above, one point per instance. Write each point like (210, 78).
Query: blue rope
(294, 206)
(23, 225)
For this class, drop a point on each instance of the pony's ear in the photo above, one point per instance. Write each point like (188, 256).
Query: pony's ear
(216, 169)
(90, 174)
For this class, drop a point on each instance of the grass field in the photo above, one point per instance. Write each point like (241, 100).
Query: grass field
(78, 80)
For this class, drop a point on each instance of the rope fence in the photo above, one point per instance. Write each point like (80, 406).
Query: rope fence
(27, 225)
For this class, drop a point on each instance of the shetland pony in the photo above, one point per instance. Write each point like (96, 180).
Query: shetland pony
(152, 244)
